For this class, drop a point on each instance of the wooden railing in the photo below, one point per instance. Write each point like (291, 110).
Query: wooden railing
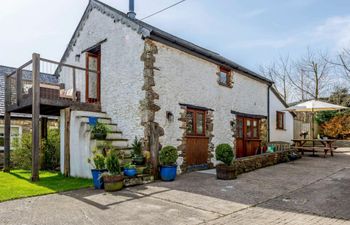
(47, 78)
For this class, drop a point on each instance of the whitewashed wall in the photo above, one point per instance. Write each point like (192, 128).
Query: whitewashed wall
(276, 134)
(121, 69)
(184, 78)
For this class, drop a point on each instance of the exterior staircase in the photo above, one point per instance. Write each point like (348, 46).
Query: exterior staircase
(114, 137)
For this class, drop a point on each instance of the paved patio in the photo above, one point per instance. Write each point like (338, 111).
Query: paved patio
(308, 191)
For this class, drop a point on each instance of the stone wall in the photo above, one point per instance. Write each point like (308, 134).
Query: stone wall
(247, 164)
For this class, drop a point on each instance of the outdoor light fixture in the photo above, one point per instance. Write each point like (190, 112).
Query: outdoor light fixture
(77, 58)
(169, 116)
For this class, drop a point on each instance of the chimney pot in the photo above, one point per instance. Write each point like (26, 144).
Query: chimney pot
(131, 14)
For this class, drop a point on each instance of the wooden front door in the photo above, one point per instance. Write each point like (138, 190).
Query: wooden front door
(196, 140)
(93, 79)
(247, 136)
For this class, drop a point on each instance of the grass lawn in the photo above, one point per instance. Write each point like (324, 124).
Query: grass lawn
(17, 184)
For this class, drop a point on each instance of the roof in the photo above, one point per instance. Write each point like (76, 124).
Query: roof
(26, 75)
(149, 31)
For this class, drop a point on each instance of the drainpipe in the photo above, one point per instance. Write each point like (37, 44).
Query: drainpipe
(131, 14)
(268, 112)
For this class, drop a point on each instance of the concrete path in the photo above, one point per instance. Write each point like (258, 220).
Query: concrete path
(308, 191)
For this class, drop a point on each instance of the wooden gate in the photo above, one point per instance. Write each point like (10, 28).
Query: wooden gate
(196, 141)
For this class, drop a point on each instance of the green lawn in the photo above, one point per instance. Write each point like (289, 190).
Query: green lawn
(17, 184)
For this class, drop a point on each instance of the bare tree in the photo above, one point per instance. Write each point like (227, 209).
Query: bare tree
(279, 72)
(343, 63)
(312, 78)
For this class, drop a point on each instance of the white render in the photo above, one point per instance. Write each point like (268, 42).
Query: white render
(183, 78)
(121, 69)
(276, 134)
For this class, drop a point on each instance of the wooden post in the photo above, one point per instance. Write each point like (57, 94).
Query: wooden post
(35, 116)
(44, 128)
(74, 86)
(7, 125)
(155, 132)
(19, 85)
(67, 142)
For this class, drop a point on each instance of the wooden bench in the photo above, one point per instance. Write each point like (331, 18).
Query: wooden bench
(303, 149)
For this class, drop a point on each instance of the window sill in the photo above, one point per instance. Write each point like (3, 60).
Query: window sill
(282, 129)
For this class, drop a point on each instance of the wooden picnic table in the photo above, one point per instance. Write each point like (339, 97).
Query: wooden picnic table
(328, 145)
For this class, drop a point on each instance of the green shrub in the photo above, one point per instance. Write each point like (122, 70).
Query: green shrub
(129, 166)
(112, 163)
(137, 147)
(21, 155)
(51, 157)
(99, 129)
(224, 154)
(99, 161)
(168, 156)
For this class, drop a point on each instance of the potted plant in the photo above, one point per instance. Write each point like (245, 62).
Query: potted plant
(130, 170)
(98, 162)
(167, 157)
(227, 169)
(99, 131)
(113, 180)
(138, 158)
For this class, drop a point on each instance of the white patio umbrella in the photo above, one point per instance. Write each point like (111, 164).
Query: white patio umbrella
(314, 106)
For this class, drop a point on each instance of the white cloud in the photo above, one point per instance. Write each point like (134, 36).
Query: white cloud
(254, 13)
(335, 29)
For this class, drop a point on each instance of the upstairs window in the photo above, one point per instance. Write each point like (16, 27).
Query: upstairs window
(280, 120)
(225, 77)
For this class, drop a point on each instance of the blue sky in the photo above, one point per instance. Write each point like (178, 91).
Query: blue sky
(250, 32)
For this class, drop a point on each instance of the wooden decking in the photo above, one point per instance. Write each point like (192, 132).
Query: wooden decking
(51, 106)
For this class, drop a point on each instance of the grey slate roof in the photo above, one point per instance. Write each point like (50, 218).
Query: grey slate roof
(149, 31)
(27, 75)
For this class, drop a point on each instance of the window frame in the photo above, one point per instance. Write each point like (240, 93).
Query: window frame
(278, 125)
(228, 73)
(194, 133)
(20, 130)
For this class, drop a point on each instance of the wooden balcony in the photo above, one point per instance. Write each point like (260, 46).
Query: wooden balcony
(20, 90)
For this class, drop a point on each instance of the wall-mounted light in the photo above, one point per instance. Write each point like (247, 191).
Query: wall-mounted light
(77, 58)
(169, 116)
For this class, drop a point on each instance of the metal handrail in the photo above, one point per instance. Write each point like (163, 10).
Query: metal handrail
(67, 65)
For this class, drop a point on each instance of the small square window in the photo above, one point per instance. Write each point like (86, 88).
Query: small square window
(224, 77)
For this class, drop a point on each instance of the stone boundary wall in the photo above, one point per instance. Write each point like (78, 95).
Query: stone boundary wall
(247, 164)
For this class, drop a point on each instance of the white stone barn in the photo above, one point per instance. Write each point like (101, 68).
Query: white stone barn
(152, 84)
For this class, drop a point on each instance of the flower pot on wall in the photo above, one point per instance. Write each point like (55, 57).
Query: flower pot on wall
(224, 172)
(168, 173)
(138, 160)
(97, 178)
(113, 182)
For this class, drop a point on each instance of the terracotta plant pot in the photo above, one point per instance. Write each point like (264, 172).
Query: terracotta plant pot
(224, 172)
(113, 182)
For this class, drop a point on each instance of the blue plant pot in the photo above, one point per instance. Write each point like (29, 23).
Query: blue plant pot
(97, 178)
(168, 173)
(130, 172)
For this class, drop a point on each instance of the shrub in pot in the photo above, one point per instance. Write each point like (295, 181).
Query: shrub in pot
(130, 170)
(113, 180)
(227, 169)
(138, 158)
(167, 157)
(99, 131)
(98, 162)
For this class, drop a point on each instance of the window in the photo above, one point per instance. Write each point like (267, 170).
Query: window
(16, 131)
(225, 77)
(195, 122)
(280, 120)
